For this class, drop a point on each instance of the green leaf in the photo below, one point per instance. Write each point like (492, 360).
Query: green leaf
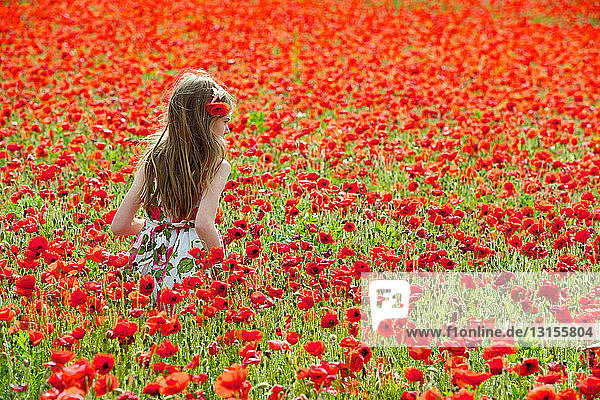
(22, 339)
(185, 265)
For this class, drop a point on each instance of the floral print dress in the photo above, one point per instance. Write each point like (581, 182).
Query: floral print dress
(162, 250)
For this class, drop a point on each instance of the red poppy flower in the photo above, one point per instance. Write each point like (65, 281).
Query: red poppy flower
(355, 361)
(583, 235)
(78, 297)
(431, 394)
(276, 345)
(173, 383)
(217, 109)
(105, 384)
(550, 291)
(124, 328)
(455, 362)
(38, 244)
(209, 311)
(258, 297)
(349, 342)
(78, 333)
(409, 395)
(218, 288)
(365, 351)
(71, 393)
(292, 337)
(498, 349)
(232, 382)
(61, 356)
(159, 367)
(146, 286)
(542, 392)
(276, 393)
(35, 337)
(349, 227)
(251, 336)
(325, 238)
(419, 353)
(171, 326)
(170, 297)
(496, 365)
(216, 255)
(464, 377)
(567, 394)
(413, 374)
(195, 362)
(353, 314)
(80, 374)
(104, 363)
(153, 389)
(386, 328)
(25, 285)
(167, 349)
(589, 386)
(305, 302)
(7, 313)
(221, 303)
(528, 367)
(550, 378)
(316, 348)
(253, 251)
(128, 395)
(318, 375)
(155, 322)
(329, 320)
(562, 313)
(359, 268)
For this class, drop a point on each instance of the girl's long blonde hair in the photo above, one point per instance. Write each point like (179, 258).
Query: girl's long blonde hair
(183, 160)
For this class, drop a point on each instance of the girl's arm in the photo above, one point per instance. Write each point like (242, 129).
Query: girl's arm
(124, 222)
(207, 209)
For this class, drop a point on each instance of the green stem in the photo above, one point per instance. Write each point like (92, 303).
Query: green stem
(8, 355)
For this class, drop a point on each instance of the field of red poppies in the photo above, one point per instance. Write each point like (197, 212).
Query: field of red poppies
(369, 135)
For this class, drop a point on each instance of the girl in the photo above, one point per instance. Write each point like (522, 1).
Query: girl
(179, 181)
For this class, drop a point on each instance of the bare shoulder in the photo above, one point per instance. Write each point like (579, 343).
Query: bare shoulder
(219, 180)
(225, 166)
(221, 176)
(140, 175)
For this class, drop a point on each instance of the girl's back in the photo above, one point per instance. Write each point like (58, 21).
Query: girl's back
(158, 212)
(183, 173)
